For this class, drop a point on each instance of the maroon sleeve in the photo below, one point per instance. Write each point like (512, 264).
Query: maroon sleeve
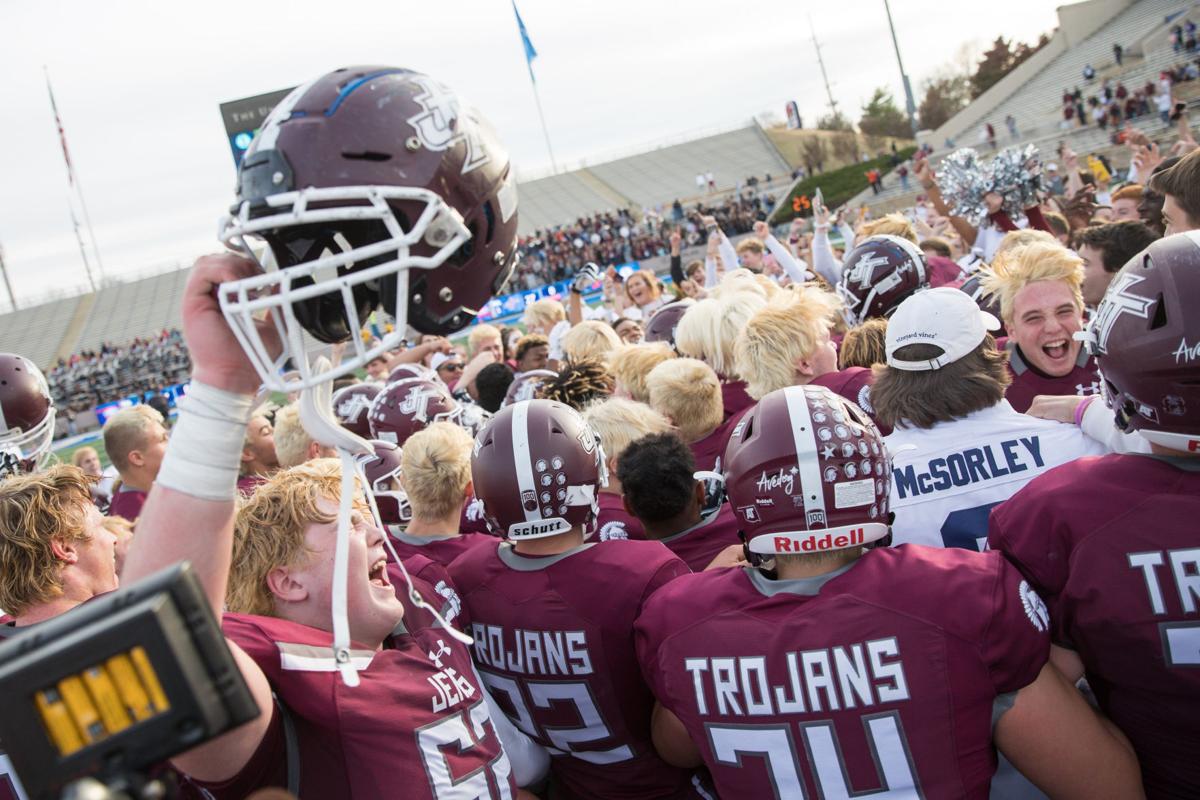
(1016, 641)
(1024, 529)
(267, 767)
(1037, 220)
(1002, 221)
(673, 566)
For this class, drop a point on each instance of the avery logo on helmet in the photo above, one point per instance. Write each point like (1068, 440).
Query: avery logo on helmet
(814, 544)
(435, 125)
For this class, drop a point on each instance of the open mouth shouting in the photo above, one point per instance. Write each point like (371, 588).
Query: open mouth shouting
(377, 574)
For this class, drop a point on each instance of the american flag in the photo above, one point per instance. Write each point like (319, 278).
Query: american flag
(62, 137)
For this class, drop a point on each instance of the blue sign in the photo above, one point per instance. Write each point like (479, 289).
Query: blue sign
(172, 393)
(514, 304)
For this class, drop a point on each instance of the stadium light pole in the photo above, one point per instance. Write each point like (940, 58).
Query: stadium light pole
(908, 95)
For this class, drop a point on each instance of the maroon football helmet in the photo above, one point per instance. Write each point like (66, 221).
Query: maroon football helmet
(371, 186)
(973, 286)
(381, 469)
(537, 468)
(806, 471)
(878, 274)
(351, 406)
(402, 372)
(1145, 336)
(408, 406)
(662, 324)
(26, 410)
(525, 385)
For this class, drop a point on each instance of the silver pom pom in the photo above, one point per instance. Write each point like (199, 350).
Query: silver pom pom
(1016, 174)
(962, 181)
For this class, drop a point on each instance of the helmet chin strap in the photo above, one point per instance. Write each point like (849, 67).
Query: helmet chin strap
(316, 417)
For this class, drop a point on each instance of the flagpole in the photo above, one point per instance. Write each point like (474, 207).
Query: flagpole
(73, 181)
(12, 298)
(545, 131)
(82, 250)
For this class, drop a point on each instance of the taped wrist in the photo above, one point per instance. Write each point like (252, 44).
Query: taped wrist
(205, 450)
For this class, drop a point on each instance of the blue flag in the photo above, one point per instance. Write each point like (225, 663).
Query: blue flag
(530, 51)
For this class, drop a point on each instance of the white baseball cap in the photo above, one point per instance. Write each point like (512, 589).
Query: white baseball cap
(439, 359)
(944, 317)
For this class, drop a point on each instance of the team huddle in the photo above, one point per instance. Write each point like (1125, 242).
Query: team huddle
(796, 538)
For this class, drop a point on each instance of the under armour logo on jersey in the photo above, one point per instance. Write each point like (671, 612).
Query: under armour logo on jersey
(1084, 389)
(436, 656)
(416, 403)
(1118, 301)
(1035, 608)
(436, 124)
(351, 409)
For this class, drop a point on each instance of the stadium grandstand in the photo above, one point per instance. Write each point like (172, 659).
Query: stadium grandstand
(1032, 93)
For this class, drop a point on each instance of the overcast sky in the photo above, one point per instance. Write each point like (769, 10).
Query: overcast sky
(138, 86)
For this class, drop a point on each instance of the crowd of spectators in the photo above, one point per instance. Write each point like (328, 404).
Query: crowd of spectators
(618, 237)
(92, 377)
(1114, 103)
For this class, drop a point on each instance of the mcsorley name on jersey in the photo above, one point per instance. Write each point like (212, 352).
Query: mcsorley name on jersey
(970, 465)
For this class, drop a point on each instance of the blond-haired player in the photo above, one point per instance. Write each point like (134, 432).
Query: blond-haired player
(1040, 290)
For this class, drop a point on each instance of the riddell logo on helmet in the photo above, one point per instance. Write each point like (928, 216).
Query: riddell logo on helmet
(814, 544)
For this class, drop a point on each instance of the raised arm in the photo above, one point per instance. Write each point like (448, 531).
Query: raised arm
(190, 511)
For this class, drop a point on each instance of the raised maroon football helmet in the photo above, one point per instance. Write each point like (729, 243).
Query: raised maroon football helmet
(1145, 336)
(371, 186)
(878, 274)
(383, 473)
(351, 406)
(662, 324)
(26, 410)
(537, 469)
(806, 471)
(408, 406)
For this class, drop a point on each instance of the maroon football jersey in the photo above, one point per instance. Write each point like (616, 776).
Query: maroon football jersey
(1028, 381)
(863, 680)
(416, 726)
(553, 645)
(707, 452)
(1113, 544)
(442, 549)
(854, 384)
(613, 521)
(699, 544)
(432, 581)
(733, 395)
(247, 484)
(127, 503)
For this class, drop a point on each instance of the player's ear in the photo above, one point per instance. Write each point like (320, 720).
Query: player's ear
(700, 494)
(285, 587)
(63, 550)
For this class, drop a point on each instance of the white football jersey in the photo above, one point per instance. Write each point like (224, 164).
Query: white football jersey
(946, 479)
